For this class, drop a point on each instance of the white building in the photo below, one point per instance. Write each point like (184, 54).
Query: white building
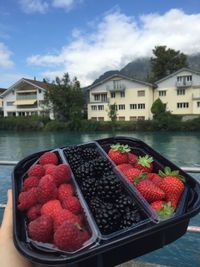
(25, 98)
(133, 98)
(180, 92)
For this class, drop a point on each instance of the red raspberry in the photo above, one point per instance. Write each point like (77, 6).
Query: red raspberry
(41, 229)
(72, 204)
(85, 235)
(47, 189)
(48, 158)
(132, 158)
(64, 215)
(30, 182)
(36, 170)
(68, 237)
(62, 174)
(34, 212)
(28, 199)
(49, 168)
(51, 207)
(155, 178)
(65, 190)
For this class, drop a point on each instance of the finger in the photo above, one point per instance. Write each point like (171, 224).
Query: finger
(6, 227)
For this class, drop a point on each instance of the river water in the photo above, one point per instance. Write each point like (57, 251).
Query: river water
(181, 148)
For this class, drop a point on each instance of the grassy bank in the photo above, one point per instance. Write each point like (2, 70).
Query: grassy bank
(172, 123)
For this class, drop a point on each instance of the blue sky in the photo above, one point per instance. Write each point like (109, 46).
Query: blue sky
(45, 38)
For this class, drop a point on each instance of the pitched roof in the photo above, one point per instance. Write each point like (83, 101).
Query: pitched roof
(37, 83)
(2, 90)
(176, 72)
(122, 76)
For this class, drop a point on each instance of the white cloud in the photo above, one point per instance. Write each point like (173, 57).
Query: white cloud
(42, 6)
(33, 6)
(5, 54)
(118, 39)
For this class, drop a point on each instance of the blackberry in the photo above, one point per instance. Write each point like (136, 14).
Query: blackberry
(109, 187)
(106, 216)
(75, 161)
(85, 171)
(129, 219)
(89, 188)
(124, 203)
(89, 153)
(71, 150)
(102, 166)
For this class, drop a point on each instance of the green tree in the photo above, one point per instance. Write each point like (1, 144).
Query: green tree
(112, 112)
(166, 61)
(157, 108)
(66, 98)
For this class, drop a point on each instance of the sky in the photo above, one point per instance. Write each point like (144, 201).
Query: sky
(47, 38)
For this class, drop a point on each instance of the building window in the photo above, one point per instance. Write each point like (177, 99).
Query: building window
(121, 118)
(133, 106)
(112, 95)
(181, 92)
(184, 78)
(94, 118)
(183, 105)
(141, 118)
(101, 118)
(165, 105)
(162, 93)
(133, 118)
(93, 107)
(40, 91)
(97, 97)
(103, 97)
(101, 107)
(141, 93)
(121, 107)
(141, 106)
(10, 103)
(198, 104)
(114, 107)
(122, 94)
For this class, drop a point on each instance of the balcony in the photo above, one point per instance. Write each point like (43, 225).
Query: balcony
(116, 88)
(107, 100)
(183, 84)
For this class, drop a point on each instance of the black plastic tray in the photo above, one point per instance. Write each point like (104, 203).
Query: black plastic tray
(120, 248)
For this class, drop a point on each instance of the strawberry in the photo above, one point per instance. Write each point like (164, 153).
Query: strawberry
(154, 177)
(36, 170)
(124, 167)
(47, 189)
(144, 163)
(28, 199)
(34, 212)
(49, 168)
(62, 174)
(41, 229)
(64, 215)
(132, 158)
(68, 237)
(132, 173)
(51, 207)
(119, 153)
(163, 209)
(30, 182)
(172, 184)
(65, 190)
(72, 204)
(149, 190)
(48, 158)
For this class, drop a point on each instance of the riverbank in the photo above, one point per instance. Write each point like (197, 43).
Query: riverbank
(172, 123)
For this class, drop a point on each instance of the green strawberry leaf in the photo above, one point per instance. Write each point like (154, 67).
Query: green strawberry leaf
(168, 172)
(145, 161)
(120, 148)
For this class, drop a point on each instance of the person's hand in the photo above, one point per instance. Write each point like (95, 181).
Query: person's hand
(9, 256)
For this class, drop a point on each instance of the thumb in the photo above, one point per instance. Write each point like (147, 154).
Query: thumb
(6, 227)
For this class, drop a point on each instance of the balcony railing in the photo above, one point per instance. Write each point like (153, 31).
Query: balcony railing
(117, 88)
(183, 83)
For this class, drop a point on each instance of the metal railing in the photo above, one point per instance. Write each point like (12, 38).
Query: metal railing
(195, 229)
